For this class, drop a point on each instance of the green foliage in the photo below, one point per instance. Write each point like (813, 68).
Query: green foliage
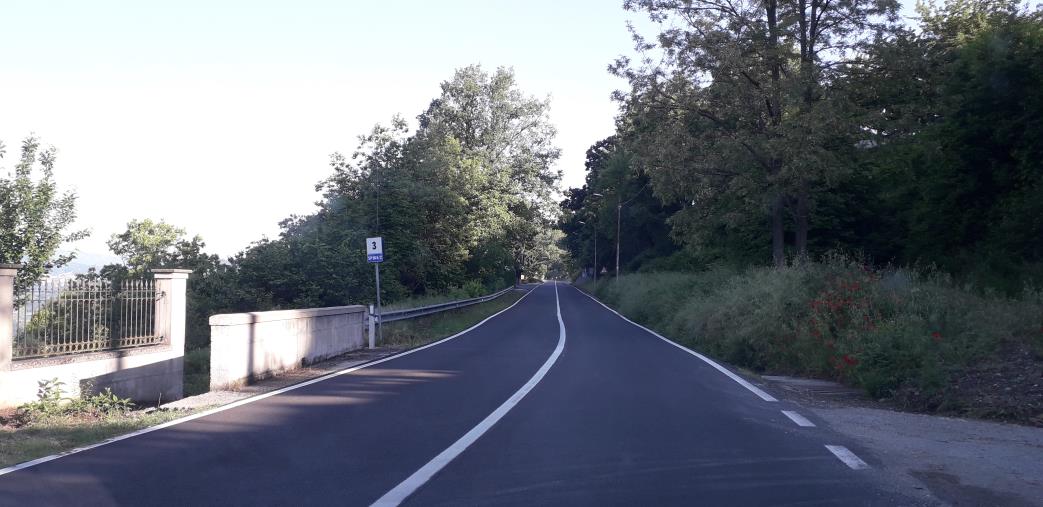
(465, 200)
(51, 403)
(148, 244)
(34, 216)
(739, 115)
(883, 330)
(914, 148)
(145, 244)
(612, 179)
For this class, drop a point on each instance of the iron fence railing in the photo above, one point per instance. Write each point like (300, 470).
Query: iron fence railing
(393, 315)
(60, 317)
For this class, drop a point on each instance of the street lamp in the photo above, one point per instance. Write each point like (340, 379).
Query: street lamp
(619, 210)
(595, 194)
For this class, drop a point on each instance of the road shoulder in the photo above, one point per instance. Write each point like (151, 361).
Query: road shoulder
(959, 461)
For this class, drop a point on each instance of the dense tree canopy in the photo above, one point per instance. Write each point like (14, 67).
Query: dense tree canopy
(784, 128)
(466, 198)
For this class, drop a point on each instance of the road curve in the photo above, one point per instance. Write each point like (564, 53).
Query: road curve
(525, 409)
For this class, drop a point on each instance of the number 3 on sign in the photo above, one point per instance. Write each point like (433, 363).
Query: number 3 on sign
(375, 249)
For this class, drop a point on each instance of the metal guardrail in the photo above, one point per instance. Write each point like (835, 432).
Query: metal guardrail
(409, 313)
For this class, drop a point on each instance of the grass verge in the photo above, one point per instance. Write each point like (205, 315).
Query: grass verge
(197, 371)
(23, 441)
(914, 338)
(423, 330)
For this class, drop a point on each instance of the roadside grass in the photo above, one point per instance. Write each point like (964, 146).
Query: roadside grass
(423, 330)
(467, 291)
(23, 441)
(914, 337)
(197, 371)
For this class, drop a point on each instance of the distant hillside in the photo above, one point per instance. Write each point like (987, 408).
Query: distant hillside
(85, 261)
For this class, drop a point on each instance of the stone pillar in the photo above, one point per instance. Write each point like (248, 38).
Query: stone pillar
(170, 317)
(7, 275)
(170, 309)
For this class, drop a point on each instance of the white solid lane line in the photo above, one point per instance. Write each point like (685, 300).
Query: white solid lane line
(848, 457)
(222, 408)
(739, 380)
(799, 419)
(399, 493)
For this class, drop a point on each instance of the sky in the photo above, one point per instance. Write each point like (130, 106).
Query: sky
(219, 117)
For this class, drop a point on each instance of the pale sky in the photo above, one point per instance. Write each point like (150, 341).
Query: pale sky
(219, 117)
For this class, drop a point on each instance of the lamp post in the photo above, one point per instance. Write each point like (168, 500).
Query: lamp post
(595, 194)
(595, 263)
(619, 210)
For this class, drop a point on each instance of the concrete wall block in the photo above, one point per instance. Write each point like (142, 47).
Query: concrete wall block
(251, 346)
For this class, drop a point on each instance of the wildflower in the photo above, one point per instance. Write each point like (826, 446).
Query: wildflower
(851, 361)
(936, 336)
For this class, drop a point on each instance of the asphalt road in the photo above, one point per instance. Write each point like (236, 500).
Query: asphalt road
(555, 401)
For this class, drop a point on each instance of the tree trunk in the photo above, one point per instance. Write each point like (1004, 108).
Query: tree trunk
(778, 254)
(802, 223)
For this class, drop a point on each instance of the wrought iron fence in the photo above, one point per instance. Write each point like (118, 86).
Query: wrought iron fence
(60, 317)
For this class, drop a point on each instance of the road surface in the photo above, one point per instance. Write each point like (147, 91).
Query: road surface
(555, 401)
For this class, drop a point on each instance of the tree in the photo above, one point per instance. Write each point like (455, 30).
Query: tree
(612, 179)
(34, 216)
(149, 244)
(145, 245)
(746, 89)
(958, 152)
(508, 138)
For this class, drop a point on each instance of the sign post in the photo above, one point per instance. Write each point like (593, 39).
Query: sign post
(375, 255)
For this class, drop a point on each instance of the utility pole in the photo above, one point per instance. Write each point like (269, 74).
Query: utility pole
(619, 210)
(596, 220)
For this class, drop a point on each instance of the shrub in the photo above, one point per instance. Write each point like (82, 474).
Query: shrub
(880, 329)
(51, 403)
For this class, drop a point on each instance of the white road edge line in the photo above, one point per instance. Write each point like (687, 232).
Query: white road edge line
(799, 419)
(741, 381)
(399, 493)
(259, 397)
(848, 457)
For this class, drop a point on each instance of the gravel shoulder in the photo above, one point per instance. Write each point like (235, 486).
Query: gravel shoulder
(959, 461)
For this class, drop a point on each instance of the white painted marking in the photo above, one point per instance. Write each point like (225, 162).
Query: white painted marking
(799, 419)
(407, 487)
(848, 457)
(741, 381)
(222, 408)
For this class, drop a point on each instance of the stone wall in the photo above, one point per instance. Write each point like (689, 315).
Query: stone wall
(250, 346)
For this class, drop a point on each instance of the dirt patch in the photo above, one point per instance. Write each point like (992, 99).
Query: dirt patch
(12, 419)
(1008, 387)
(948, 488)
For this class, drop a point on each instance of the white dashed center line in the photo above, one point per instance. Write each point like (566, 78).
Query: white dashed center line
(799, 419)
(848, 457)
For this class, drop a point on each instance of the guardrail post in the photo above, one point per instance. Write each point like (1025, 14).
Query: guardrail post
(7, 276)
(372, 326)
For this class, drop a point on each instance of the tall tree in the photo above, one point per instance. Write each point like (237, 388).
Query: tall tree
(510, 139)
(745, 89)
(34, 216)
(145, 244)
